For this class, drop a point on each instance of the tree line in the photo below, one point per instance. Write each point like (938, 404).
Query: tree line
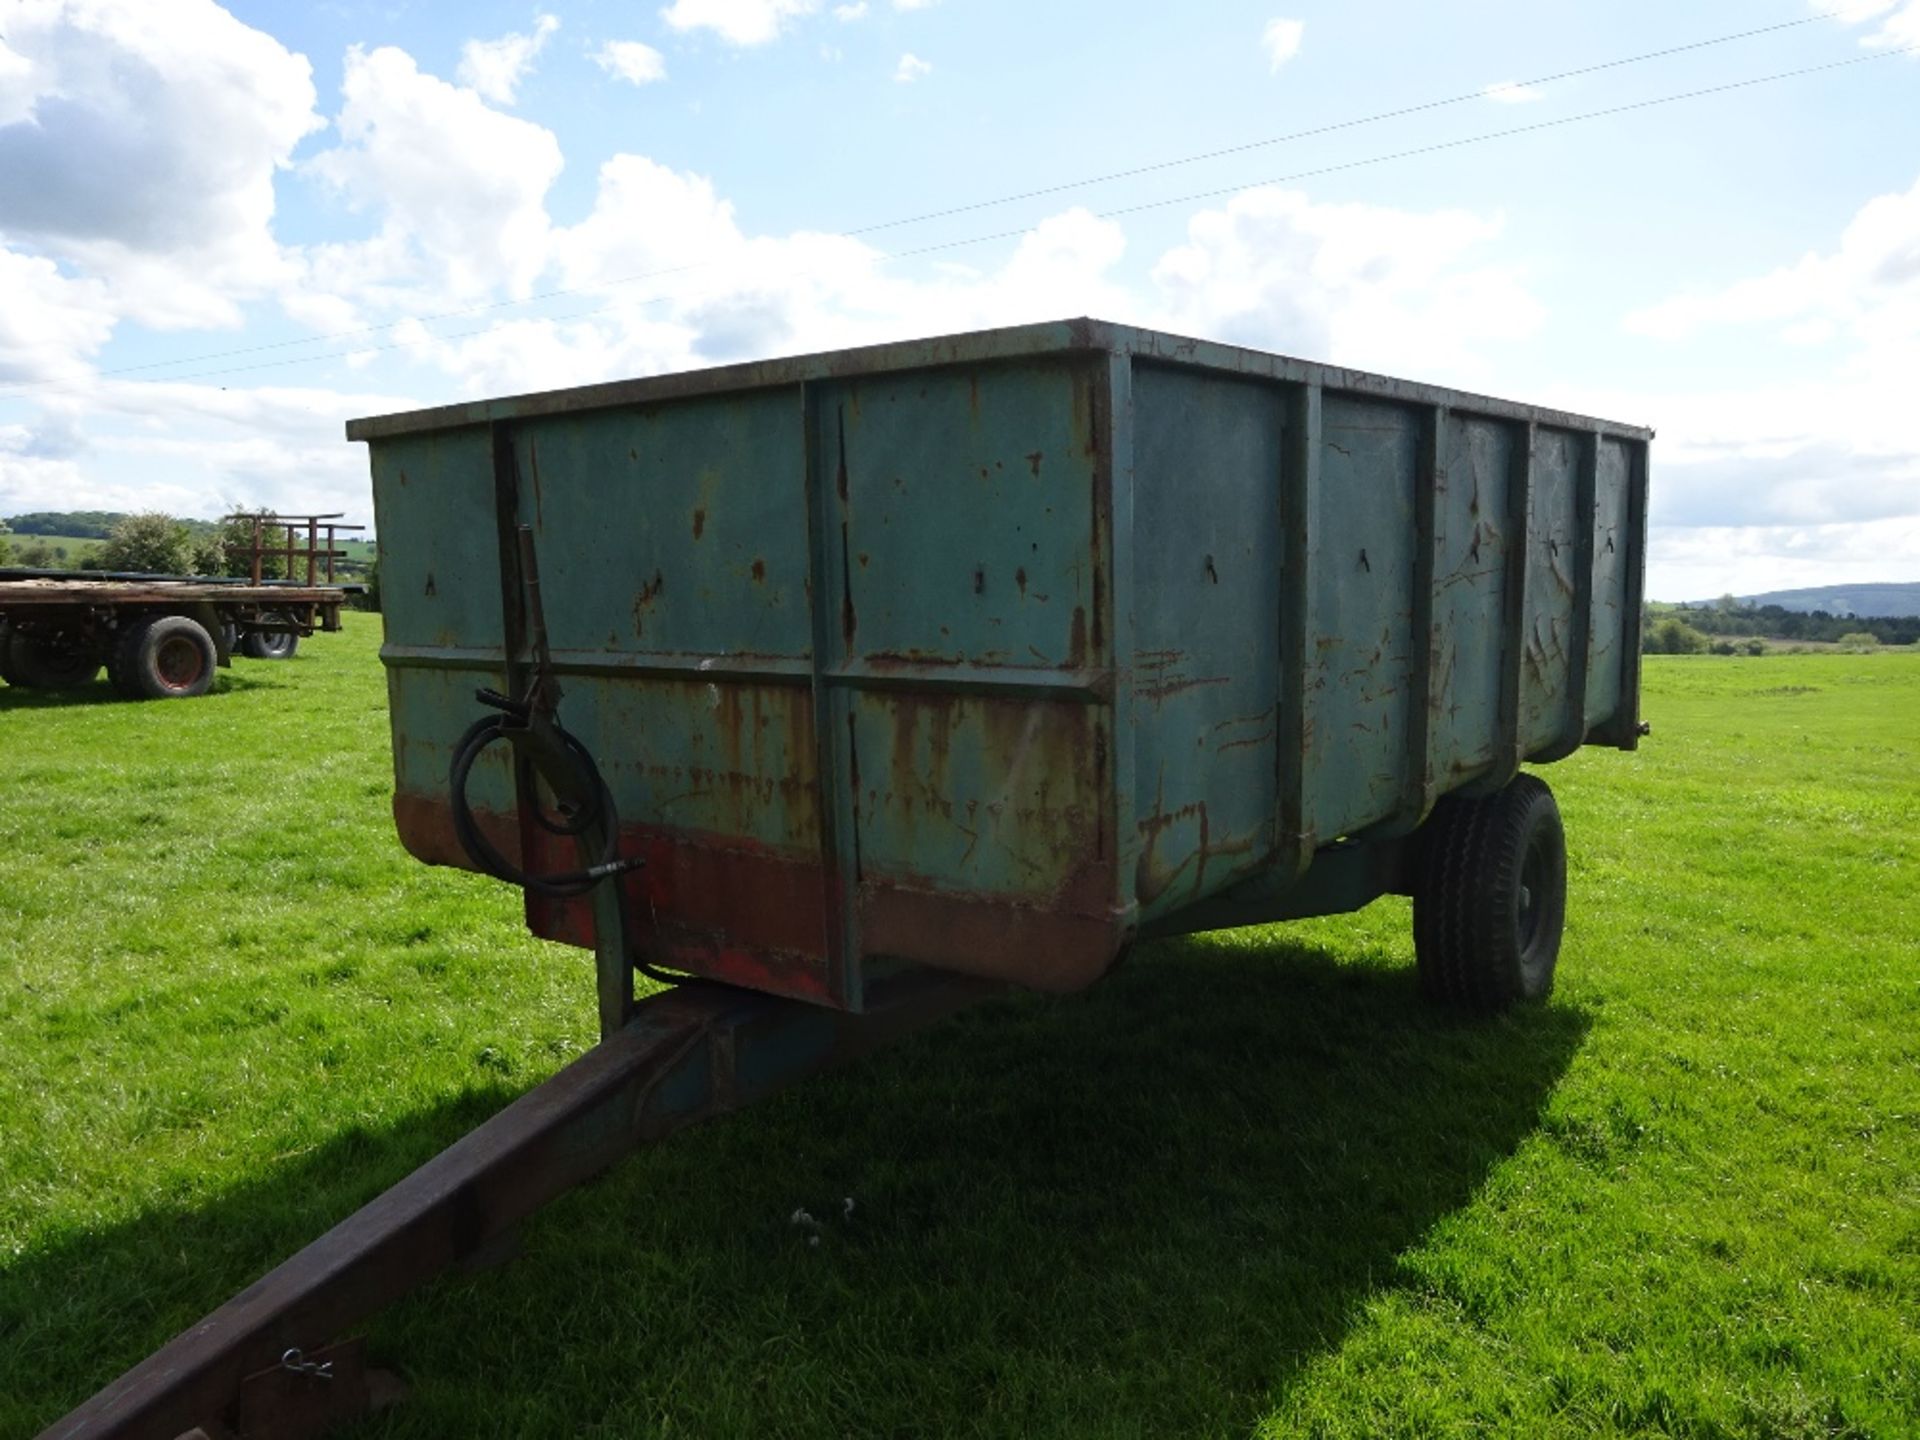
(152, 543)
(1725, 627)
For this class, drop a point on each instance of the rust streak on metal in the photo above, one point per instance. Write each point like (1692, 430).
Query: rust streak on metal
(1179, 685)
(1264, 738)
(849, 621)
(643, 602)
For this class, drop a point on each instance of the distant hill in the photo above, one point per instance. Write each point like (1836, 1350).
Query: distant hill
(87, 524)
(1894, 598)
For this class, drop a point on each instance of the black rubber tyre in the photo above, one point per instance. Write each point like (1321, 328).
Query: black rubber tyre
(36, 664)
(166, 658)
(270, 644)
(1490, 898)
(123, 659)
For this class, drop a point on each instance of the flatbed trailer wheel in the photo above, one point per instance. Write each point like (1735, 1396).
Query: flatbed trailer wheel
(270, 644)
(36, 663)
(169, 657)
(1490, 897)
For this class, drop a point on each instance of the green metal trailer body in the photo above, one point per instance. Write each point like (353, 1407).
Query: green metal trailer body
(989, 653)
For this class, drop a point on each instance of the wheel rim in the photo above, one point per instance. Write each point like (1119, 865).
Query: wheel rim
(179, 663)
(1536, 881)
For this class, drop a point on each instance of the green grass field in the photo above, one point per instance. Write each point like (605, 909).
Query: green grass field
(78, 547)
(1246, 1186)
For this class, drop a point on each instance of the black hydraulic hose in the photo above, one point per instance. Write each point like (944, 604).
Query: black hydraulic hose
(564, 884)
(573, 821)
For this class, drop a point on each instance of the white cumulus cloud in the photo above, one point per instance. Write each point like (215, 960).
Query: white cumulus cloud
(631, 61)
(191, 449)
(1798, 476)
(108, 162)
(1363, 285)
(738, 22)
(1868, 285)
(910, 69)
(495, 68)
(459, 187)
(1892, 22)
(1281, 40)
(51, 323)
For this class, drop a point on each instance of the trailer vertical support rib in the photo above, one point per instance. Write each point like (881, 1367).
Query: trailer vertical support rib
(1511, 751)
(1626, 730)
(833, 621)
(1586, 480)
(1113, 421)
(1299, 489)
(1423, 665)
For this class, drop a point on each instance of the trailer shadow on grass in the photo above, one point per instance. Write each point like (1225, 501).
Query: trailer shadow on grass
(99, 692)
(1138, 1211)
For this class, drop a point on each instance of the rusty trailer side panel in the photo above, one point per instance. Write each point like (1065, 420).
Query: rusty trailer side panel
(990, 652)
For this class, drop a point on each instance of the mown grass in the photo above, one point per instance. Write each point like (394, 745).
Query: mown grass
(1248, 1185)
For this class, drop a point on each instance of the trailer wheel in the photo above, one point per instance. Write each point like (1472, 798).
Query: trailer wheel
(166, 658)
(270, 644)
(36, 663)
(1490, 897)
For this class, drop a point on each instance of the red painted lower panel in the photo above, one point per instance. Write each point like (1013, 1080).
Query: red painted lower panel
(759, 919)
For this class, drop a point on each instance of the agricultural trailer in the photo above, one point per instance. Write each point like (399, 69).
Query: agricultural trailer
(838, 692)
(157, 637)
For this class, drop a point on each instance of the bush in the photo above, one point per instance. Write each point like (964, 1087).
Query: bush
(1756, 647)
(153, 543)
(1673, 636)
(235, 543)
(1859, 638)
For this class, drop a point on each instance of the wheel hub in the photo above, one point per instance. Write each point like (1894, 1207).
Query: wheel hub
(179, 662)
(1533, 879)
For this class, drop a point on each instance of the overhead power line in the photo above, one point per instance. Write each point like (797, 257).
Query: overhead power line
(903, 221)
(1333, 128)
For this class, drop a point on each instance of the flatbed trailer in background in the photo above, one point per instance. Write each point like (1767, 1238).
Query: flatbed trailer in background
(158, 637)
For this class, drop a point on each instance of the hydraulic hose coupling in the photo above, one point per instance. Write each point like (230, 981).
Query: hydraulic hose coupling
(585, 809)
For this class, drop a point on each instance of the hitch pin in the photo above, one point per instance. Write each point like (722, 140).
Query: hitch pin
(297, 1363)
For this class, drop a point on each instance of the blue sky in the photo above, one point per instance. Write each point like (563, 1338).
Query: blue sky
(180, 181)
